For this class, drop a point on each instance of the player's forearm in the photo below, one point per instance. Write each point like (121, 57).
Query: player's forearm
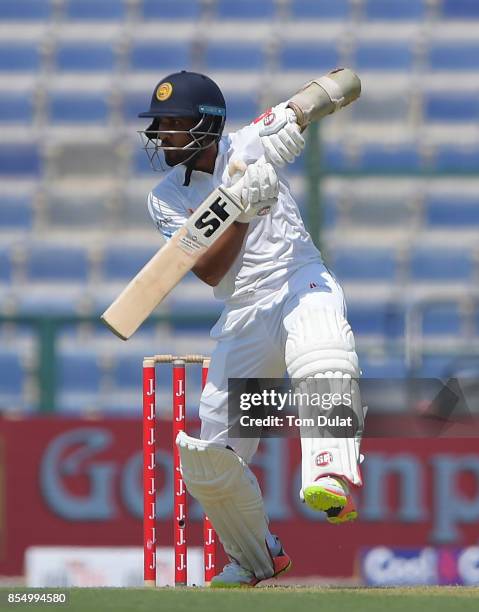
(219, 258)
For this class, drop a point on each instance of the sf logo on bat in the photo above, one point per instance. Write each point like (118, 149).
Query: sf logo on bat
(213, 217)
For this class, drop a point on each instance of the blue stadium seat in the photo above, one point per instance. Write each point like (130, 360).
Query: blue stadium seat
(453, 56)
(78, 107)
(12, 374)
(84, 56)
(160, 57)
(383, 56)
(434, 366)
(5, 265)
(246, 9)
(394, 9)
(329, 212)
(400, 158)
(304, 56)
(16, 108)
(326, 9)
(456, 158)
(451, 107)
(88, 10)
(171, 9)
(16, 57)
(384, 366)
(78, 371)
(233, 56)
(123, 262)
(450, 212)
(460, 9)
(334, 157)
(16, 212)
(25, 10)
(134, 103)
(20, 160)
(373, 264)
(376, 318)
(441, 264)
(441, 319)
(57, 263)
(241, 108)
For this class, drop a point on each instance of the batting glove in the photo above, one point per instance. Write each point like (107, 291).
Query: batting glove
(281, 137)
(259, 194)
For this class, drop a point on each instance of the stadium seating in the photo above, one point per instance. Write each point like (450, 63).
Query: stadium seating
(384, 212)
(13, 375)
(233, 56)
(460, 9)
(246, 9)
(451, 212)
(19, 57)
(16, 212)
(434, 366)
(16, 108)
(120, 263)
(78, 107)
(78, 371)
(456, 158)
(441, 319)
(159, 57)
(396, 10)
(92, 10)
(385, 157)
(382, 366)
(84, 57)
(383, 319)
(371, 107)
(308, 57)
(77, 211)
(457, 56)
(383, 56)
(370, 264)
(25, 10)
(327, 9)
(434, 264)
(241, 108)
(20, 160)
(46, 262)
(446, 107)
(5, 265)
(170, 9)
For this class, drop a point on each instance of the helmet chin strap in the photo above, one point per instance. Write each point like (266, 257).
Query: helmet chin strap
(191, 163)
(190, 166)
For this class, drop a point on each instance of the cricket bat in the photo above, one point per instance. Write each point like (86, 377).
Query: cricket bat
(316, 99)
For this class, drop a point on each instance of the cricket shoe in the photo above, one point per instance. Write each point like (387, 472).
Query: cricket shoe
(331, 495)
(234, 576)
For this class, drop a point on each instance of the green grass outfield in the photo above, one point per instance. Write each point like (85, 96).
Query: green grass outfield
(274, 599)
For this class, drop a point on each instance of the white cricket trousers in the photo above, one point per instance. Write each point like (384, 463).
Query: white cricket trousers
(251, 338)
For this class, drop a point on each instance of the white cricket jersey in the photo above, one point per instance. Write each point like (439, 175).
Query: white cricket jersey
(275, 245)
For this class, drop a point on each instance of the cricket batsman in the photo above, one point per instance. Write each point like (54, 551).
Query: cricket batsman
(283, 311)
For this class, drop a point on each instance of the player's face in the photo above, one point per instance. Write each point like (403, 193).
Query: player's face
(180, 140)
